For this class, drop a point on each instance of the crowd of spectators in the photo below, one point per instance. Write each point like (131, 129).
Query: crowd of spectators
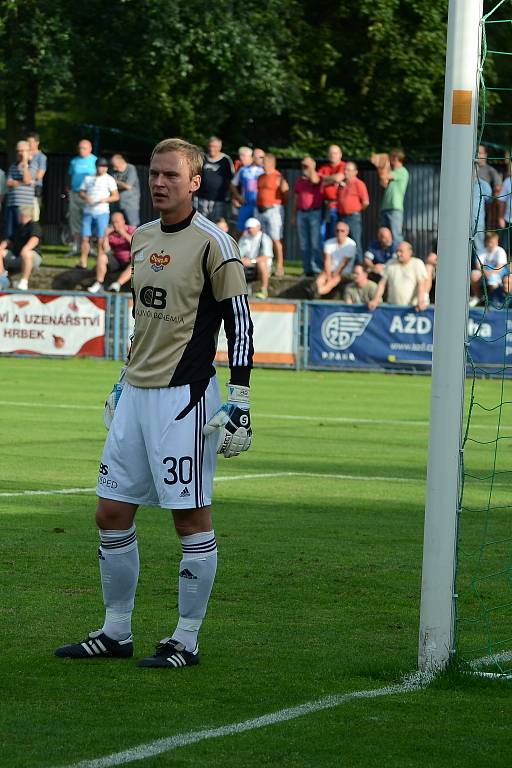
(248, 198)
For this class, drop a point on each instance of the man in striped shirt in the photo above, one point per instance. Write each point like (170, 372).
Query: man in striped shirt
(167, 427)
(21, 179)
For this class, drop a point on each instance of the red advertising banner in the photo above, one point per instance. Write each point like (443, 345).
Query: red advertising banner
(34, 324)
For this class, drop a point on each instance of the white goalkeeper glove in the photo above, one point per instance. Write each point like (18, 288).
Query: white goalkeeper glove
(113, 399)
(233, 423)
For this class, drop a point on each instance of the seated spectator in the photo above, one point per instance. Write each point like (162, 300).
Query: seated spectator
(502, 296)
(361, 290)
(97, 191)
(272, 195)
(339, 257)
(21, 253)
(405, 280)
(379, 252)
(491, 267)
(256, 252)
(118, 238)
(431, 267)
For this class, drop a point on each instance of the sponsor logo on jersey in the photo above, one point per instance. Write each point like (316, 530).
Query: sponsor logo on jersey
(340, 329)
(159, 260)
(185, 492)
(156, 298)
(140, 256)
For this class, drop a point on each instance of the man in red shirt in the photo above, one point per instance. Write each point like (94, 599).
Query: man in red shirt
(118, 238)
(353, 199)
(272, 195)
(332, 174)
(307, 213)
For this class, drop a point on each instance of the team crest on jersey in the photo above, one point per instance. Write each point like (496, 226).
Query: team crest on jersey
(159, 260)
(140, 256)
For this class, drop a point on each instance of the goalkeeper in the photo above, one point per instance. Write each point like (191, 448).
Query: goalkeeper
(165, 418)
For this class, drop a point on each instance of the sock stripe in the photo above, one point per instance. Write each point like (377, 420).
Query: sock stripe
(210, 547)
(118, 543)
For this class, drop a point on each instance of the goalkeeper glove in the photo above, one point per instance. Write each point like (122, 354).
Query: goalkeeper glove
(233, 422)
(113, 399)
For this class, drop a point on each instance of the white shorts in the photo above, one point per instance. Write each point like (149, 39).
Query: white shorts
(151, 457)
(272, 222)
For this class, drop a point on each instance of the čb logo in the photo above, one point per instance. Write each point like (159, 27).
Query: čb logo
(340, 329)
(159, 260)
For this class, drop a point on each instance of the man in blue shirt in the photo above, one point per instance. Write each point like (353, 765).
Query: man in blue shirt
(244, 188)
(379, 252)
(82, 165)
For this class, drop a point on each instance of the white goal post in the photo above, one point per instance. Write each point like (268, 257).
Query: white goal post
(437, 615)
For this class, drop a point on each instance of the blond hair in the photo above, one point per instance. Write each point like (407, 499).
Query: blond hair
(192, 154)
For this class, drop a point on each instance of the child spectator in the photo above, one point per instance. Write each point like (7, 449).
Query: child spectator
(491, 267)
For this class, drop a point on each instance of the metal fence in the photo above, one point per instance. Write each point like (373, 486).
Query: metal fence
(421, 202)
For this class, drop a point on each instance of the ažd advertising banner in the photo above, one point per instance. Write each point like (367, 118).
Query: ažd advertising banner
(52, 325)
(275, 335)
(349, 336)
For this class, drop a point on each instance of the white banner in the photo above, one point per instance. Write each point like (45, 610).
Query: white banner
(52, 325)
(274, 334)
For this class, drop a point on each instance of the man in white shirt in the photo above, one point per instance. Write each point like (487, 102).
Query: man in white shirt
(339, 257)
(492, 266)
(405, 279)
(98, 191)
(256, 251)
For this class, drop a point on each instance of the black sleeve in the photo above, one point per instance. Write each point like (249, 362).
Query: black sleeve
(238, 327)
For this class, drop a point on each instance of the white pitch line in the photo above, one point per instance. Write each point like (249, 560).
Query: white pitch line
(410, 684)
(262, 415)
(231, 478)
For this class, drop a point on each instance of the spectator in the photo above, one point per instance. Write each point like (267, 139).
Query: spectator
(215, 179)
(98, 192)
(482, 194)
(486, 172)
(361, 290)
(505, 213)
(40, 161)
(21, 252)
(222, 224)
(20, 187)
(379, 252)
(127, 180)
(394, 178)
(307, 213)
(353, 199)
(502, 296)
(272, 195)
(492, 266)
(256, 252)
(332, 174)
(118, 239)
(405, 279)
(339, 258)
(244, 188)
(82, 165)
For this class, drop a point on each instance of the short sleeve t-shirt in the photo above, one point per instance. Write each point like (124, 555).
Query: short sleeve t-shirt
(353, 197)
(356, 295)
(380, 254)
(23, 194)
(494, 259)
(402, 281)
(339, 253)
(252, 247)
(120, 246)
(394, 194)
(247, 179)
(98, 187)
(330, 191)
(309, 195)
(215, 178)
(269, 189)
(129, 197)
(23, 235)
(79, 168)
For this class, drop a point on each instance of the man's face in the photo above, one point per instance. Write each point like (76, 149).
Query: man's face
(21, 148)
(246, 158)
(101, 170)
(269, 164)
(350, 171)
(118, 221)
(169, 182)
(404, 253)
(360, 277)
(384, 237)
(253, 231)
(214, 147)
(258, 157)
(341, 232)
(482, 155)
(334, 154)
(33, 144)
(118, 163)
(84, 148)
(491, 243)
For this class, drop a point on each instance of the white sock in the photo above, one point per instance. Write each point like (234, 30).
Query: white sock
(197, 574)
(119, 568)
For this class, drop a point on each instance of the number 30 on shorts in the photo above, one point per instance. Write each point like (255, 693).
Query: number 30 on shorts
(179, 470)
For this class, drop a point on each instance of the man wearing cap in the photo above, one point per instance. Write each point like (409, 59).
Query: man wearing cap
(256, 252)
(98, 192)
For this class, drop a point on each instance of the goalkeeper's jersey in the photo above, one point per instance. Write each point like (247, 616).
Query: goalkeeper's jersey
(186, 279)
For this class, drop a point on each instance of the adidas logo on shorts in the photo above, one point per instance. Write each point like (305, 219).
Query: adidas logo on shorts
(184, 493)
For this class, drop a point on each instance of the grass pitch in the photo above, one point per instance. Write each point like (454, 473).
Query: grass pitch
(317, 590)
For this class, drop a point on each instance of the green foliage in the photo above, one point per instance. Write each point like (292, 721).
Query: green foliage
(294, 76)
